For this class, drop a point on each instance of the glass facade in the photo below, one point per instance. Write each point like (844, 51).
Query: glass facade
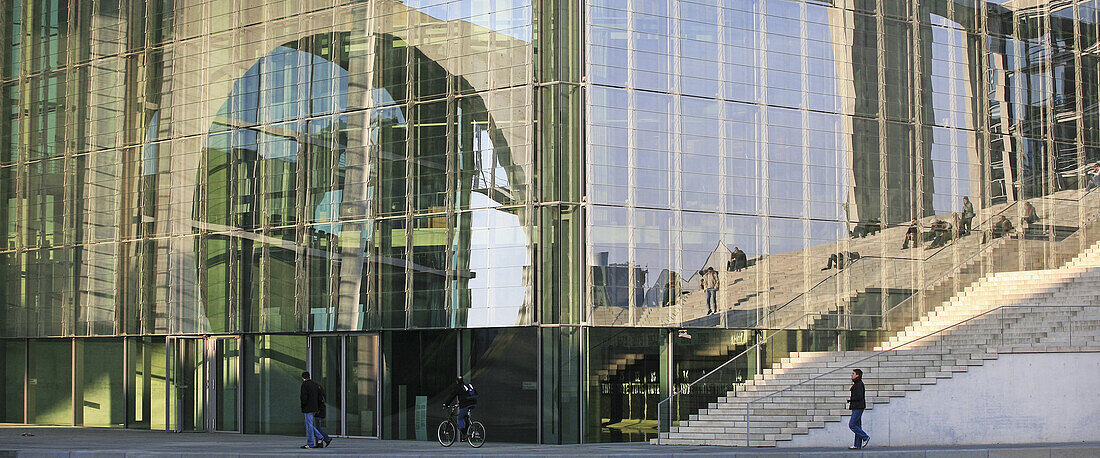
(550, 197)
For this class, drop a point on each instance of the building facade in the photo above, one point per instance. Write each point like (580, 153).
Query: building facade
(199, 199)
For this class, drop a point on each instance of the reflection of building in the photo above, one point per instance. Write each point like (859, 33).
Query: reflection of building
(392, 192)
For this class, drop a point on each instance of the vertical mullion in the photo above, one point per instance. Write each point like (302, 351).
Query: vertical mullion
(344, 384)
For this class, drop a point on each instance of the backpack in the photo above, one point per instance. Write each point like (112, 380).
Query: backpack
(470, 392)
(321, 406)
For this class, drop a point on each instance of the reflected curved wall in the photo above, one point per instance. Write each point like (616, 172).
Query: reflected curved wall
(270, 195)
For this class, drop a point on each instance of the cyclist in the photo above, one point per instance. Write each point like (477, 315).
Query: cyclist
(466, 396)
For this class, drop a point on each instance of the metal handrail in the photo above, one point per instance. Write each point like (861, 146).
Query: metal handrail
(748, 406)
(958, 266)
(982, 249)
(894, 258)
(687, 388)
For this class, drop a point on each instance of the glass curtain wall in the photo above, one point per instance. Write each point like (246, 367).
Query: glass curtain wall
(340, 168)
(753, 164)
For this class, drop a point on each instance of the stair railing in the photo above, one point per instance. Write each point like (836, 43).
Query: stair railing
(1001, 319)
(793, 325)
(937, 251)
(758, 346)
(982, 250)
(919, 292)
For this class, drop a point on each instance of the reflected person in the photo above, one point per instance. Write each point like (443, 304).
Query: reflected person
(1030, 216)
(912, 235)
(1001, 228)
(742, 260)
(967, 217)
(710, 285)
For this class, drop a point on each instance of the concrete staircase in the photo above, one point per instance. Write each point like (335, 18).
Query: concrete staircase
(1056, 310)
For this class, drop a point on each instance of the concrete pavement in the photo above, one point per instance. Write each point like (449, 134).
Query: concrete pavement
(61, 442)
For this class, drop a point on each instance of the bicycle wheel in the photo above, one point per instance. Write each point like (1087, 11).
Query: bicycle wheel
(475, 434)
(446, 434)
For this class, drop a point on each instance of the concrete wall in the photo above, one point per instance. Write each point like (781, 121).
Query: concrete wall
(1015, 399)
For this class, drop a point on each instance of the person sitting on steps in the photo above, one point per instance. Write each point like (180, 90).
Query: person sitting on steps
(912, 235)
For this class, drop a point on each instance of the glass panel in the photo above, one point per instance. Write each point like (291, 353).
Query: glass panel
(697, 352)
(503, 363)
(625, 384)
(273, 371)
(50, 382)
(561, 384)
(15, 359)
(411, 403)
(148, 389)
(325, 369)
(362, 385)
(100, 377)
(226, 382)
(187, 384)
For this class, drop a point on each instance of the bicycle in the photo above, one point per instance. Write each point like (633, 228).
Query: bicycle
(448, 429)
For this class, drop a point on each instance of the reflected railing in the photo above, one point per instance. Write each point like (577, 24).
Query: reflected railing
(1062, 332)
(689, 398)
(1044, 244)
(1050, 241)
(1060, 220)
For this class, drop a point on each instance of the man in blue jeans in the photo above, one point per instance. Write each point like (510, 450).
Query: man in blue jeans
(857, 402)
(466, 396)
(313, 401)
(709, 282)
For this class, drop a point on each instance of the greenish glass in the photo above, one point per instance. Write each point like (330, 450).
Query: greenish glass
(560, 384)
(325, 368)
(621, 396)
(148, 384)
(411, 399)
(14, 366)
(50, 382)
(362, 360)
(273, 373)
(100, 374)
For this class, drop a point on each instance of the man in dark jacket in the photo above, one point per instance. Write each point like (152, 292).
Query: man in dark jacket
(466, 396)
(967, 217)
(740, 260)
(313, 402)
(857, 402)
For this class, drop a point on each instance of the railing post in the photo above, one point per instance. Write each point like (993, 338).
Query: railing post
(748, 410)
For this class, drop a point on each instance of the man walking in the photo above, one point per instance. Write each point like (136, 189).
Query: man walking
(857, 403)
(312, 403)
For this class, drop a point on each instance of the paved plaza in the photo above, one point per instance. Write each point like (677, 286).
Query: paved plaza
(103, 443)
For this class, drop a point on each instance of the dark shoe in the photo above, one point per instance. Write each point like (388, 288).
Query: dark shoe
(328, 440)
(309, 446)
(865, 441)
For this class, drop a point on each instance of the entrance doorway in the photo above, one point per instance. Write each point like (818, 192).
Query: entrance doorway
(204, 384)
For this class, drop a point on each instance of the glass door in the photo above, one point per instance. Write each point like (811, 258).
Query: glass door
(186, 360)
(224, 383)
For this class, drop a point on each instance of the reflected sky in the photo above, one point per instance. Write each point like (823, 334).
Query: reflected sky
(507, 17)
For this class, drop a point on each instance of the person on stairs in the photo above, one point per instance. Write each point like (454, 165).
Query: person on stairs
(709, 282)
(912, 235)
(966, 218)
(857, 403)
